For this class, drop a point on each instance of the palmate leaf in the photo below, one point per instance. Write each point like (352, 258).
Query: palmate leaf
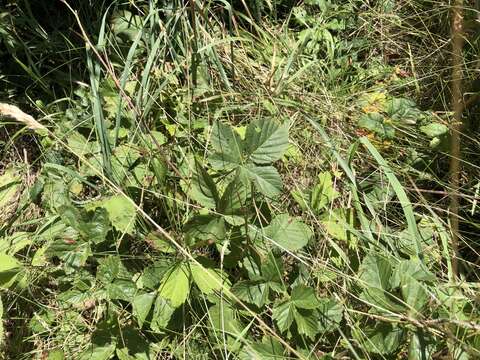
(266, 141)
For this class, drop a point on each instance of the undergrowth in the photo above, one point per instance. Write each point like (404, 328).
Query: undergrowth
(234, 180)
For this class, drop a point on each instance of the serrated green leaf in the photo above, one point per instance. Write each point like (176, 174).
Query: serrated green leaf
(382, 339)
(252, 292)
(162, 314)
(304, 297)
(96, 352)
(227, 142)
(122, 213)
(234, 196)
(284, 314)
(224, 318)
(202, 188)
(330, 314)
(306, 322)
(374, 276)
(267, 180)
(205, 228)
(175, 285)
(141, 306)
(209, 280)
(268, 349)
(288, 233)
(266, 141)
(433, 130)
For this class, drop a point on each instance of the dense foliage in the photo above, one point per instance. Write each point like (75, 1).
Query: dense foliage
(261, 179)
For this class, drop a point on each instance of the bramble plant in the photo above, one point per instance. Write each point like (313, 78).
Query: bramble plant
(234, 180)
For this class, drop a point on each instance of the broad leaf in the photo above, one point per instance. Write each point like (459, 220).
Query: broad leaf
(268, 349)
(304, 297)
(202, 188)
(374, 276)
(209, 280)
(266, 141)
(306, 322)
(252, 292)
(330, 314)
(223, 318)
(267, 180)
(288, 233)
(204, 228)
(175, 285)
(383, 338)
(141, 305)
(162, 314)
(228, 144)
(235, 195)
(283, 314)
(121, 211)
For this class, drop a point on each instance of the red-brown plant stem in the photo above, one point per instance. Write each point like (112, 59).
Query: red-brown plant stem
(456, 126)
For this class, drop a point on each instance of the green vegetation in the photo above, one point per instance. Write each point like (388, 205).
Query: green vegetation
(251, 179)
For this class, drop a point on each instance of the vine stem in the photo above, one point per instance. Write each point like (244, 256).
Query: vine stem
(456, 126)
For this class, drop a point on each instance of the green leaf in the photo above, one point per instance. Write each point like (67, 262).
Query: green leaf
(374, 276)
(121, 290)
(266, 140)
(92, 226)
(284, 314)
(111, 268)
(337, 224)
(223, 318)
(376, 123)
(209, 280)
(2, 329)
(235, 195)
(268, 349)
(434, 130)
(141, 306)
(383, 338)
(9, 268)
(288, 233)
(175, 285)
(122, 213)
(252, 292)
(330, 314)
(228, 144)
(10, 186)
(306, 323)
(162, 314)
(202, 188)
(96, 352)
(304, 297)
(206, 228)
(266, 178)
(323, 193)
